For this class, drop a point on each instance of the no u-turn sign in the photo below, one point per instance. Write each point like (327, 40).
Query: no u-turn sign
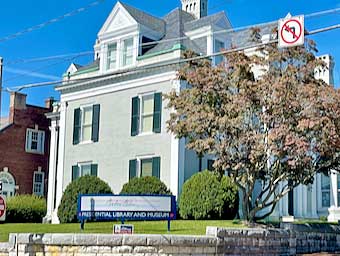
(291, 31)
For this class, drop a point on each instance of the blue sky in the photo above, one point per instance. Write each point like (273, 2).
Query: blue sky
(78, 33)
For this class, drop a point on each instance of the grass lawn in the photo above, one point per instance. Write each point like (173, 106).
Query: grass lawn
(184, 227)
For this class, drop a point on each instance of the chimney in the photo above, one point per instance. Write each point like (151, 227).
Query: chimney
(17, 102)
(49, 103)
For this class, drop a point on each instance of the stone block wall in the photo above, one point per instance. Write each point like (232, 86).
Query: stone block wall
(105, 245)
(254, 241)
(313, 238)
(289, 240)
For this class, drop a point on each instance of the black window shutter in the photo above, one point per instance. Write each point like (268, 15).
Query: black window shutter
(157, 114)
(156, 166)
(95, 122)
(76, 126)
(135, 116)
(94, 170)
(75, 172)
(132, 169)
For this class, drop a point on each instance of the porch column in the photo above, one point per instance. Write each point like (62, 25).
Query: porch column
(52, 171)
(314, 202)
(60, 163)
(334, 210)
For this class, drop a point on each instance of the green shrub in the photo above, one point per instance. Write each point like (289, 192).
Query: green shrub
(145, 185)
(207, 196)
(25, 208)
(67, 211)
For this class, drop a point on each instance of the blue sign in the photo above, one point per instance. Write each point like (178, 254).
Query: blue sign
(126, 207)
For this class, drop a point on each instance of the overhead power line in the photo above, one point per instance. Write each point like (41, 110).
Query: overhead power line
(311, 15)
(51, 21)
(49, 58)
(159, 65)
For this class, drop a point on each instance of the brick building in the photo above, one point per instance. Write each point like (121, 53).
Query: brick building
(24, 147)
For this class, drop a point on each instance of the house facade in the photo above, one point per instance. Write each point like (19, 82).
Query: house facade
(24, 147)
(111, 119)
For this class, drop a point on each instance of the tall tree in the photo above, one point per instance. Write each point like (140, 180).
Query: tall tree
(264, 116)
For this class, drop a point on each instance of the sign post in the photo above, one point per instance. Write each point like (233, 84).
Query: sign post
(2, 208)
(291, 31)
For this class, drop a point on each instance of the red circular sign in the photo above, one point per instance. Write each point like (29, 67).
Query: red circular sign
(2, 206)
(288, 28)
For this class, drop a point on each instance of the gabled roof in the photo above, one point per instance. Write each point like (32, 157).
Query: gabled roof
(174, 23)
(145, 19)
(172, 26)
(205, 21)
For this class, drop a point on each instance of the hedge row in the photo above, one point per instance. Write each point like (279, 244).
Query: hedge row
(206, 195)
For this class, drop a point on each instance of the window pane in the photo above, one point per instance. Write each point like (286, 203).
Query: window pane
(85, 169)
(147, 123)
(218, 47)
(34, 145)
(325, 182)
(338, 176)
(148, 104)
(112, 56)
(37, 188)
(128, 52)
(87, 132)
(35, 136)
(38, 177)
(87, 116)
(146, 167)
(325, 199)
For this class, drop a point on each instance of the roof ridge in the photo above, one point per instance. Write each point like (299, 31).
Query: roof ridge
(206, 17)
(140, 10)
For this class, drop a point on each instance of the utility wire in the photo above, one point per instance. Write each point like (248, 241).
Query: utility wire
(156, 66)
(48, 58)
(311, 15)
(51, 21)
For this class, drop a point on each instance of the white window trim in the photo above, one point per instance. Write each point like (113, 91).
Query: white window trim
(325, 208)
(81, 141)
(120, 53)
(41, 141)
(5, 175)
(80, 164)
(140, 96)
(107, 56)
(42, 183)
(139, 163)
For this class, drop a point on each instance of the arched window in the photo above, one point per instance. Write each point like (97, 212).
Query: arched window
(187, 7)
(190, 7)
(194, 6)
(8, 184)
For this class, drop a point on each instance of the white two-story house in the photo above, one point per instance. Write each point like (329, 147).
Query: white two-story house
(111, 119)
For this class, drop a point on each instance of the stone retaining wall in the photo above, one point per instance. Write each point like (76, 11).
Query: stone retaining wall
(218, 241)
(105, 245)
(313, 238)
(254, 241)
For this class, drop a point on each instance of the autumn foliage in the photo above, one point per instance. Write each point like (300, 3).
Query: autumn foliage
(265, 118)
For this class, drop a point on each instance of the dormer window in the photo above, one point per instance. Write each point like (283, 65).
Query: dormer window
(112, 56)
(128, 52)
(119, 54)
